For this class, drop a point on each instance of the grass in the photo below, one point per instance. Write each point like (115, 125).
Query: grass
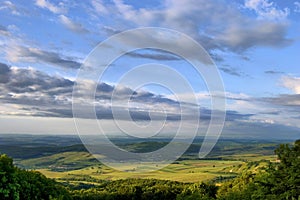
(183, 171)
(73, 163)
(83, 167)
(60, 162)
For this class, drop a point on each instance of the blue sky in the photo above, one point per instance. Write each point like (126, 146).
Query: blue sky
(254, 44)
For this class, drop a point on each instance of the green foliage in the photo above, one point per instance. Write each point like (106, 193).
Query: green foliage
(281, 180)
(21, 184)
(144, 189)
(36, 186)
(277, 180)
(8, 179)
(203, 191)
(18, 184)
(285, 175)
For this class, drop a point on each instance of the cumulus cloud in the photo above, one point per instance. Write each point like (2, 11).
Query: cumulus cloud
(34, 93)
(71, 25)
(49, 6)
(212, 23)
(40, 94)
(28, 92)
(267, 10)
(291, 83)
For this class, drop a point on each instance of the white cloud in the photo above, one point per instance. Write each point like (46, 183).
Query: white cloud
(267, 10)
(297, 7)
(240, 37)
(212, 23)
(17, 53)
(10, 6)
(47, 5)
(99, 7)
(245, 106)
(73, 26)
(292, 83)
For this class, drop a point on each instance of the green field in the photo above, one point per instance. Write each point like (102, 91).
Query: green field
(81, 166)
(187, 171)
(66, 160)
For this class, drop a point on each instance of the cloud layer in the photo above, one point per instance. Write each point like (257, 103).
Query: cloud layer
(202, 20)
(73, 26)
(31, 92)
(17, 53)
(267, 10)
(292, 83)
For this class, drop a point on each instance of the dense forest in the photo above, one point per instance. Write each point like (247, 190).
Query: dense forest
(279, 180)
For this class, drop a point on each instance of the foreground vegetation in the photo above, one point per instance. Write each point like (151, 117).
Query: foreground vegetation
(20, 184)
(273, 180)
(280, 180)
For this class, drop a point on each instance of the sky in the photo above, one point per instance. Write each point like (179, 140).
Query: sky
(254, 45)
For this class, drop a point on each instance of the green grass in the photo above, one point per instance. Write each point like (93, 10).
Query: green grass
(182, 171)
(60, 162)
(68, 161)
(83, 167)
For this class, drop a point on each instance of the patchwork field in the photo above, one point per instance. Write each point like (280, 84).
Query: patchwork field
(66, 160)
(187, 171)
(81, 166)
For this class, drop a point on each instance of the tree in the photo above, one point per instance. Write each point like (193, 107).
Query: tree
(285, 175)
(281, 180)
(8, 182)
(18, 184)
